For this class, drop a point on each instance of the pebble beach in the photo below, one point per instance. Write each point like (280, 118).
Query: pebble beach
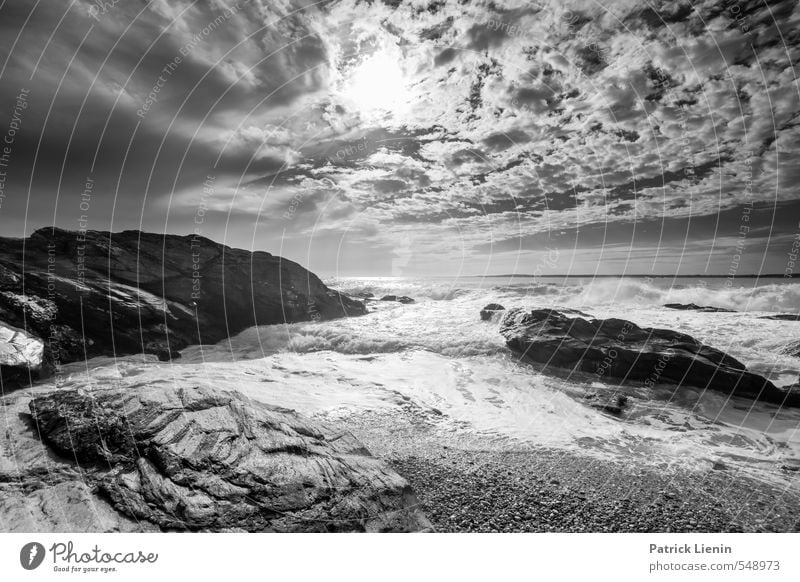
(469, 484)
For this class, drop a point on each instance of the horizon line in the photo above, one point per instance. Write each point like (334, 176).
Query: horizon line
(652, 276)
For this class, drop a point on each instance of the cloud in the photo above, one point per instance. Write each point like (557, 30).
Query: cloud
(508, 120)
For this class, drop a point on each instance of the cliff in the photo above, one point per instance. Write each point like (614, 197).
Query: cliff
(91, 293)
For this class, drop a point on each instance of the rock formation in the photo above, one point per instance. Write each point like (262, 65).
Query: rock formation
(611, 403)
(782, 317)
(620, 349)
(100, 293)
(397, 298)
(189, 458)
(490, 310)
(695, 307)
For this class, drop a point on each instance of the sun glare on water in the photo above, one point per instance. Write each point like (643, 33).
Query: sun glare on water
(377, 85)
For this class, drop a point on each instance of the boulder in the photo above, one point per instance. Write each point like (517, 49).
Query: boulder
(99, 293)
(193, 458)
(398, 298)
(489, 310)
(21, 357)
(694, 307)
(613, 403)
(621, 350)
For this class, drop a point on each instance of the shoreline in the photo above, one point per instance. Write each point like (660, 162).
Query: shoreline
(469, 483)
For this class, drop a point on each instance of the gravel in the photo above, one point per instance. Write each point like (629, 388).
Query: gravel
(471, 483)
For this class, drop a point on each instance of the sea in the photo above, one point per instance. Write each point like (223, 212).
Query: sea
(436, 356)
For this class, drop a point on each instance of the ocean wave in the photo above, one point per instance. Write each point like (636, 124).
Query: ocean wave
(453, 327)
(358, 336)
(742, 295)
(768, 298)
(771, 297)
(537, 289)
(384, 286)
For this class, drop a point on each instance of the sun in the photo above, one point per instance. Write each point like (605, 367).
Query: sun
(378, 85)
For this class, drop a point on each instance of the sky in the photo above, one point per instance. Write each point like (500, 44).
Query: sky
(413, 138)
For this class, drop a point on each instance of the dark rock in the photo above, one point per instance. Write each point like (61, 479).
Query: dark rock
(620, 401)
(399, 299)
(197, 459)
(694, 307)
(620, 349)
(791, 349)
(782, 317)
(166, 355)
(9, 279)
(489, 310)
(613, 404)
(131, 292)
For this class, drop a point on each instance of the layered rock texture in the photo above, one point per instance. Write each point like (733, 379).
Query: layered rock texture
(165, 458)
(621, 350)
(99, 293)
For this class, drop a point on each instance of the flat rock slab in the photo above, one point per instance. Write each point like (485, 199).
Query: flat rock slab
(193, 458)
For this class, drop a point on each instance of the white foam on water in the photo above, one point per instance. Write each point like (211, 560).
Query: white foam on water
(491, 395)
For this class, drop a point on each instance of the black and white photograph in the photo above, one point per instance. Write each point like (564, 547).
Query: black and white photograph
(474, 267)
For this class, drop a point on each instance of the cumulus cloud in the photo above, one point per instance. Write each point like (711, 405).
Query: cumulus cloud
(463, 126)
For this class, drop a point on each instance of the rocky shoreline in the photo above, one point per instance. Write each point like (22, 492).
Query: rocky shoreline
(399, 470)
(187, 457)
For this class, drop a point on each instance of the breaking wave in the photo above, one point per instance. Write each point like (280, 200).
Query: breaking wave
(740, 297)
(773, 295)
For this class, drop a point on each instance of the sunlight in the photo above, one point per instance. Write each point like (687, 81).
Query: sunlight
(377, 85)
